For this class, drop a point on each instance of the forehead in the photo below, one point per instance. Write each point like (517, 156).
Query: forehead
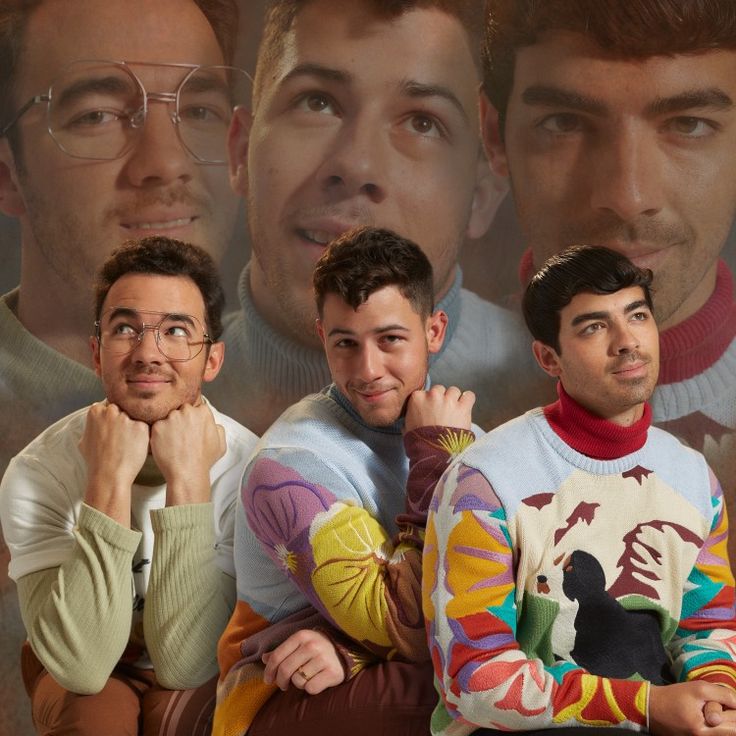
(62, 31)
(572, 62)
(424, 44)
(386, 306)
(156, 293)
(614, 304)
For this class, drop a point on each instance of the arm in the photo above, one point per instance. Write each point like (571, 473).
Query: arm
(704, 645)
(362, 581)
(189, 599)
(469, 593)
(89, 592)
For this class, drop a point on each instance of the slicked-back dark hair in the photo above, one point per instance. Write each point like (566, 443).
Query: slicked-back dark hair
(579, 269)
(161, 256)
(222, 15)
(624, 29)
(364, 260)
(280, 15)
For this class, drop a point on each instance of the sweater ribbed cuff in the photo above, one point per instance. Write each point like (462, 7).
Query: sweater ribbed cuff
(94, 521)
(186, 516)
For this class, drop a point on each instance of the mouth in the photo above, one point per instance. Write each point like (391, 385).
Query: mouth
(373, 396)
(317, 237)
(633, 370)
(160, 225)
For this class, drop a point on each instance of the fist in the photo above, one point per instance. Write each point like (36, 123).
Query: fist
(444, 407)
(185, 445)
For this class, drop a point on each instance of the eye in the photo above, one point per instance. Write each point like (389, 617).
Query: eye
(392, 340)
(95, 118)
(562, 123)
(124, 329)
(317, 102)
(640, 316)
(692, 127)
(424, 125)
(592, 328)
(345, 343)
(202, 114)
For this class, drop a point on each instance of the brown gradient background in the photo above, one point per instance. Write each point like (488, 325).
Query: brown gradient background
(490, 268)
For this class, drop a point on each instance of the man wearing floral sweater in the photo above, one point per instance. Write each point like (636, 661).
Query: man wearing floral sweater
(575, 566)
(330, 527)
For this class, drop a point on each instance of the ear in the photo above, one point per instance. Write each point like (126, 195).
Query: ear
(214, 361)
(490, 190)
(436, 328)
(492, 137)
(94, 345)
(548, 359)
(320, 331)
(238, 138)
(11, 200)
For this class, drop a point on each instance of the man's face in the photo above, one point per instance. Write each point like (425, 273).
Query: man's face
(609, 353)
(144, 383)
(362, 121)
(378, 353)
(636, 155)
(73, 212)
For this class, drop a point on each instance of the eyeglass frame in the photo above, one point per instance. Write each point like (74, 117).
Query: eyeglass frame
(206, 339)
(166, 97)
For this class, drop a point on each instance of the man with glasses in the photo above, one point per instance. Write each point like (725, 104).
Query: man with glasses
(78, 190)
(113, 126)
(119, 517)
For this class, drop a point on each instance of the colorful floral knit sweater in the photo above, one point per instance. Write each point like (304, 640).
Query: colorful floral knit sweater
(330, 529)
(558, 585)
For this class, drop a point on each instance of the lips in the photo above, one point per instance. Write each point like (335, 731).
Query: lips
(160, 224)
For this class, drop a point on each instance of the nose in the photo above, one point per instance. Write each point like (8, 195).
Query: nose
(625, 340)
(358, 160)
(369, 366)
(158, 156)
(146, 350)
(628, 174)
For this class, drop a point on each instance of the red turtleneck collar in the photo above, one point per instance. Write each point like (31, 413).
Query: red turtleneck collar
(687, 349)
(592, 435)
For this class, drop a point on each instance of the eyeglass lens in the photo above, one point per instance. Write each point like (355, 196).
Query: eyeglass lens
(97, 109)
(178, 336)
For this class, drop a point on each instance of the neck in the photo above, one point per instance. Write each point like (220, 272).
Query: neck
(40, 298)
(594, 436)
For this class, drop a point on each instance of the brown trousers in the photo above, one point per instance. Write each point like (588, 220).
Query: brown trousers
(132, 703)
(384, 699)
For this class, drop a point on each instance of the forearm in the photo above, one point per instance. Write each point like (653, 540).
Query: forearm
(704, 644)
(189, 599)
(69, 610)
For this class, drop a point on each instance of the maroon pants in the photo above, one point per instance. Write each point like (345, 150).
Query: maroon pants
(384, 699)
(132, 703)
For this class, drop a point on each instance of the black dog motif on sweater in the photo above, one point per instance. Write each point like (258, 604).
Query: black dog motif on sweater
(609, 640)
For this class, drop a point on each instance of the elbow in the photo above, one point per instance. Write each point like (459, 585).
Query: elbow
(182, 680)
(80, 681)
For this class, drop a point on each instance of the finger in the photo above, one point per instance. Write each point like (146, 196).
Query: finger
(453, 393)
(276, 657)
(290, 665)
(321, 681)
(467, 398)
(303, 675)
(713, 713)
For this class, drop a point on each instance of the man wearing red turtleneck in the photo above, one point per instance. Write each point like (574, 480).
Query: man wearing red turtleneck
(575, 567)
(615, 123)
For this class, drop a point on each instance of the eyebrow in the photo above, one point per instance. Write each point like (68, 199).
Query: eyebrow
(130, 312)
(592, 316)
(549, 96)
(326, 73)
(82, 87)
(712, 97)
(376, 331)
(420, 90)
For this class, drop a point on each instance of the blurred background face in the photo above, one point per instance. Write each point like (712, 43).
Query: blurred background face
(77, 211)
(362, 121)
(639, 156)
(378, 353)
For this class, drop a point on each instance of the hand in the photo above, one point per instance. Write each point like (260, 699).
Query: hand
(683, 709)
(185, 445)
(445, 407)
(307, 659)
(114, 447)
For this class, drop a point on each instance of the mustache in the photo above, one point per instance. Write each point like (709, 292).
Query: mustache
(176, 194)
(608, 227)
(369, 387)
(623, 361)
